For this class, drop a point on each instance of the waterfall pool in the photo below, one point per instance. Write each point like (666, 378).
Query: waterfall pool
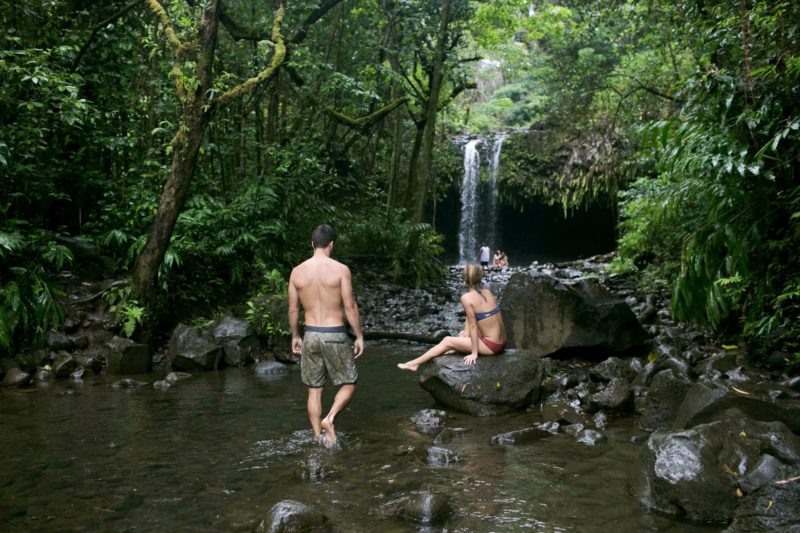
(216, 452)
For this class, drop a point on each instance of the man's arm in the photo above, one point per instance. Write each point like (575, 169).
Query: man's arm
(351, 311)
(294, 317)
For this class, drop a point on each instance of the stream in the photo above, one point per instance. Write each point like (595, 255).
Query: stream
(216, 452)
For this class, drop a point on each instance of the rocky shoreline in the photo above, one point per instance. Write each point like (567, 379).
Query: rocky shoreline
(719, 437)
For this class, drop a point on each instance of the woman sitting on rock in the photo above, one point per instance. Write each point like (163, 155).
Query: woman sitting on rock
(484, 331)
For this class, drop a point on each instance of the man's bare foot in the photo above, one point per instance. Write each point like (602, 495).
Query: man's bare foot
(408, 366)
(330, 434)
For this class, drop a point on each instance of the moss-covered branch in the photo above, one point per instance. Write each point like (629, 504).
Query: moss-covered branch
(366, 121)
(163, 18)
(265, 75)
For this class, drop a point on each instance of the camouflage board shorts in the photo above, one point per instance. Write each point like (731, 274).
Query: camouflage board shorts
(327, 352)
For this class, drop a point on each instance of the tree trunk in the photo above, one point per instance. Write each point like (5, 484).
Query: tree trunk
(436, 81)
(185, 146)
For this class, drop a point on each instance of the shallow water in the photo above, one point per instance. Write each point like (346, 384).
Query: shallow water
(216, 452)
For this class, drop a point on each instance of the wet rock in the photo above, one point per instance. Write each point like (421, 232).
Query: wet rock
(174, 377)
(63, 365)
(793, 383)
(664, 398)
(773, 507)
(493, 385)
(707, 402)
(161, 384)
(127, 357)
(545, 315)
(765, 471)
(600, 420)
(77, 374)
(611, 368)
(443, 437)
(89, 362)
(590, 437)
(573, 429)
(290, 516)
(678, 366)
(238, 339)
(692, 474)
(429, 420)
(520, 436)
(437, 456)
(551, 426)
(194, 349)
(426, 508)
(271, 368)
(59, 342)
(16, 378)
(81, 342)
(645, 375)
(722, 362)
(617, 397)
(43, 374)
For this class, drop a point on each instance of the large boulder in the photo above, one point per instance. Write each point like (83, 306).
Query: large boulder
(693, 474)
(773, 507)
(493, 385)
(238, 339)
(615, 397)
(127, 357)
(426, 508)
(545, 315)
(707, 402)
(194, 349)
(16, 378)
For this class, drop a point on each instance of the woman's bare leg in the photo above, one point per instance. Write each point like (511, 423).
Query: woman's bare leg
(456, 344)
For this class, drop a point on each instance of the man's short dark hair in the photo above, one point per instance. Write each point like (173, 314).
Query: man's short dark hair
(322, 236)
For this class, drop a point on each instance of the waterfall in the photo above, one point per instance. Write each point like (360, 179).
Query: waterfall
(492, 193)
(467, 228)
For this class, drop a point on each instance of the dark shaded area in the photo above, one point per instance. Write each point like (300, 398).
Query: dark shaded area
(539, 233)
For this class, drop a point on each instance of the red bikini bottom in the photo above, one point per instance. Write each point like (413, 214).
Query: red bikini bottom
(493, 346)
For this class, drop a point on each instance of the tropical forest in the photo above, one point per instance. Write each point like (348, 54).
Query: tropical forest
(224, 223)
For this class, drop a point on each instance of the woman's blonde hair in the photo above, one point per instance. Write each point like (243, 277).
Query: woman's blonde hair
(473, 275)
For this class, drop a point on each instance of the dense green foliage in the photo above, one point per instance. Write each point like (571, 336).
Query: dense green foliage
(686, 113)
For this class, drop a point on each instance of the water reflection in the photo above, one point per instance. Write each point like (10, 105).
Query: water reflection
(215, 453)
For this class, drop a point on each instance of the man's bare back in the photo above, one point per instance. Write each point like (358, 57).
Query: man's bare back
(323, 287)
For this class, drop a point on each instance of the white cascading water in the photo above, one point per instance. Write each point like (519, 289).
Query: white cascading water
(492, 193)
(467, 228)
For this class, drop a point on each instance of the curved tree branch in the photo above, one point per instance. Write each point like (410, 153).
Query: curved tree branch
(96, 31)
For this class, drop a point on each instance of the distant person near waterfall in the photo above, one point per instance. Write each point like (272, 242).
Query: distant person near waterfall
(484, 332)
(323, 287)
(484, 256)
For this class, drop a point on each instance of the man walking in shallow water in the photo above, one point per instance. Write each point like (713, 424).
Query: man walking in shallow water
(323, 287)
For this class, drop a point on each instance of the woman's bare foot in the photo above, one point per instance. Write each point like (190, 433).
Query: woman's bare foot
(408, 366)
(330, 435)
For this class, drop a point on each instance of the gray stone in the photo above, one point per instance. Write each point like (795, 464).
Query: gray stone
(128, 383)
(174, 377)
(590, 437)
(57, 342)
(290, 516)
(766, 470)
(772, 507)
(16, 378)
(705, 403)
(692, 474)
(429, 420)
(194, 349)
(611, 368)
(426, 508)
(238, 340)
(545, 315)
(600, 420)
(77, 374)
(664, 398)
(81, 342)
(63, 365)
(127, 357)
(551, 426)
(438, 456)
(617, 397)
(494, 384)
(573, 429)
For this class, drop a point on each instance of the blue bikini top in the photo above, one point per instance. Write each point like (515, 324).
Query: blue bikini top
(487, 314)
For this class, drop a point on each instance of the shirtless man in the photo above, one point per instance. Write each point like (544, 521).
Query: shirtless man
(323, 288)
